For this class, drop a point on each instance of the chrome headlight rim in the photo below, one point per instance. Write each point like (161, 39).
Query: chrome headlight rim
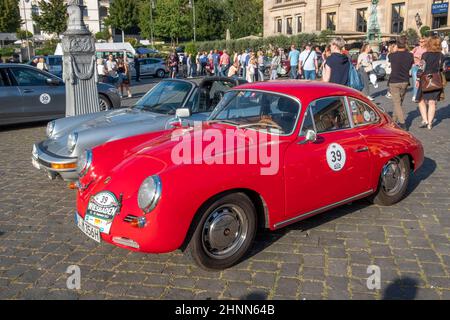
(153, 196)
(50, 128)
(72, 140)
(84, 163)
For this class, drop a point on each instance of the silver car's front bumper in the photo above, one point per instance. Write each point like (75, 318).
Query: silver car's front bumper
(53, 164)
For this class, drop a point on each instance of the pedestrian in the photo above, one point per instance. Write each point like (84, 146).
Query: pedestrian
(111, 69)
(391, 48)
(293, 57)
(124, 75)
(203, 63)
(1, 59)
(433, 61)
(261, 67)
(417, 52)
(444, 45)
(308, 65)
(216, 62)
(274, 65)
(199, 66)
(337, 65)
(101, 70)
(401, 63)
(251, 68)
(224, 63)
(35, 61)
(189, 65)
(137, 68)
(173, 64)
(243, 63)
(365, 68)
(41, 65)
(233, 71)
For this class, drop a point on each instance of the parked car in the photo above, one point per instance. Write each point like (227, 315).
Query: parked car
(446, 68)
(28, 94)
(155, 67)
(330, 146)
(53, 62)
(69, 137)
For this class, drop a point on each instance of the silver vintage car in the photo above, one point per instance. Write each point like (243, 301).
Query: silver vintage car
(171, 101)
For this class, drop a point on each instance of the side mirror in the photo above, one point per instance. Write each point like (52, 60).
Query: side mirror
(53, 82)
(183, 113)
(310, 136)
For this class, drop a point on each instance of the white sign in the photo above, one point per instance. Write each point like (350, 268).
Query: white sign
(45, 98)
(336, 156)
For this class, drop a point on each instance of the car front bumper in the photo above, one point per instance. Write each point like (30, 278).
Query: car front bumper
(54, 165)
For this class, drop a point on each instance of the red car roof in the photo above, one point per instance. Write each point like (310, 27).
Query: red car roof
(302, 89)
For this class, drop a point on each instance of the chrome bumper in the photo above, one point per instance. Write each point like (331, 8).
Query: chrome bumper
(43, 159)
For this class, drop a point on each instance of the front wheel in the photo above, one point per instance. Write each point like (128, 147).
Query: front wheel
(104, 103)
(224, 233)
(393, 182)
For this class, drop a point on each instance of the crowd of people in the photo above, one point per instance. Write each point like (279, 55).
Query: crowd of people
(115, 71)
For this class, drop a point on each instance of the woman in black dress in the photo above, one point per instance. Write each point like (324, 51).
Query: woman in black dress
(432, 60)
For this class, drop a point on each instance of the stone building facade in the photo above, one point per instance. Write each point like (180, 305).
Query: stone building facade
(295, 16)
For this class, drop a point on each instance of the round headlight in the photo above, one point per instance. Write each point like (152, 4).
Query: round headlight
(50, 128)
(84, 162)
(149, 193)
(72, 141)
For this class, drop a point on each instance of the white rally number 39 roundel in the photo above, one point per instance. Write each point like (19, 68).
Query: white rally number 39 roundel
(336, 156)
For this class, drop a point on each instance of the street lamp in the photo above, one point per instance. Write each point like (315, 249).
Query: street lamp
(192, 5)
(26, 28)
(152, 6)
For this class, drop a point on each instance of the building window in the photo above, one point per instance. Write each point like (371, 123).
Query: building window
(279, 26)
(398, 17)
(289, 25)
(361, 20)
(35, 9)
(331, 21)
(299, 24)
(278, 1)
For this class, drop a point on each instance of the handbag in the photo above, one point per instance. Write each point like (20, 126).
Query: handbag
(431, 82)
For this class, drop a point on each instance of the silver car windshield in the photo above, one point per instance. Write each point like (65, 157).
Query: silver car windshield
(258, 110)
(165, 98)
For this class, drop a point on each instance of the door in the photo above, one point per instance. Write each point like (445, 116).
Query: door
(41, 99)
(11, 110)
(145, 67)
(334, 168)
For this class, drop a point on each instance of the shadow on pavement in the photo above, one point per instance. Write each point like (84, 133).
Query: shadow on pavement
(255, 295)
(402, 288)
(427, 168)
(20, 126)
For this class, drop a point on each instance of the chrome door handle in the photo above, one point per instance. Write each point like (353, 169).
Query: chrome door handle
(363, 149)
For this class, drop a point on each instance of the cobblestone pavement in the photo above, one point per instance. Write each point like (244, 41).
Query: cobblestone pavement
(325, 257)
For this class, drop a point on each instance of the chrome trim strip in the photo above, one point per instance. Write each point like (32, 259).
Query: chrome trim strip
(325, 208)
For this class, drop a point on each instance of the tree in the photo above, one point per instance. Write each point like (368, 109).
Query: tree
(9, 15)
(173, 20)
(244, 20)
(23, 34)
(424, 30)
(411, 36)
(210, 19)
(123, 14)
(103, 35)
(52, 17)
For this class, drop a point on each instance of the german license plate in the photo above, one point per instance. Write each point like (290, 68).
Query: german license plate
(89, 230)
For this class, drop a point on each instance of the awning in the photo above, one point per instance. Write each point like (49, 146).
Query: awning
(143, 50)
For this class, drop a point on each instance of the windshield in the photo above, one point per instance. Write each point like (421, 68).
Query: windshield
(166, 97)
(258, 110)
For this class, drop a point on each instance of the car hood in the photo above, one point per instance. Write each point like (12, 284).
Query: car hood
(106, 126)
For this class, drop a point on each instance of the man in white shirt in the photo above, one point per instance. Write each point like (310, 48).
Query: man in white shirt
(307, 63)
(444, 45)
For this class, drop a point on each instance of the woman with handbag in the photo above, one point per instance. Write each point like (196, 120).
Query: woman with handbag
(431, 81)
(274, 65)
(365, 68)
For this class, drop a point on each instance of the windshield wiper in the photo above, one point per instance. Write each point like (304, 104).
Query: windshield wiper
(222, 120)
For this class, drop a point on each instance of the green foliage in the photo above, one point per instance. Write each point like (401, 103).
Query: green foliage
(23, 34)
(52, 17)
(411, 36)
(244, 18)
(103, 35)
(7, 52)
(210, 19)
(144, 22)
(123, 14)
(172, 20)
(191, 48)
(133, 41)
(9, 15)
(424, 31)
(47, 48)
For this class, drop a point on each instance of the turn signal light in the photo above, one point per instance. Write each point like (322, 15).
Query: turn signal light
(72, 185)
(72, 165)
(139, 222)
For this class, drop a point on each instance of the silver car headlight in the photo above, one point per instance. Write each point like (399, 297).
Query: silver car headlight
(50, 128)
(84, 162)
(149, 193)
(72, 141)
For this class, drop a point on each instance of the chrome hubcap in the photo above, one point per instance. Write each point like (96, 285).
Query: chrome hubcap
(393, 176)
(224, 231)
(103, 105)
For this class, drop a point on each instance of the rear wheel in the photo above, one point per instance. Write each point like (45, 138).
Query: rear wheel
(104, 103)
(224, 233)
(160, 73)
(393, 182)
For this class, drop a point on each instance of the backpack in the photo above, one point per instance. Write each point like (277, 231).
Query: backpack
(354, 78)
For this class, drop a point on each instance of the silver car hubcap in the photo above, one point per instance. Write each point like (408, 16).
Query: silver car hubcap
(224, 231)
(393, 177)
(103, 104)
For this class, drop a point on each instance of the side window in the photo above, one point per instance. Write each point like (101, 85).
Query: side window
(29, 77)
(3, 78)
(193, 103)
(330, 114)
(307, 122)
(361, 113)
